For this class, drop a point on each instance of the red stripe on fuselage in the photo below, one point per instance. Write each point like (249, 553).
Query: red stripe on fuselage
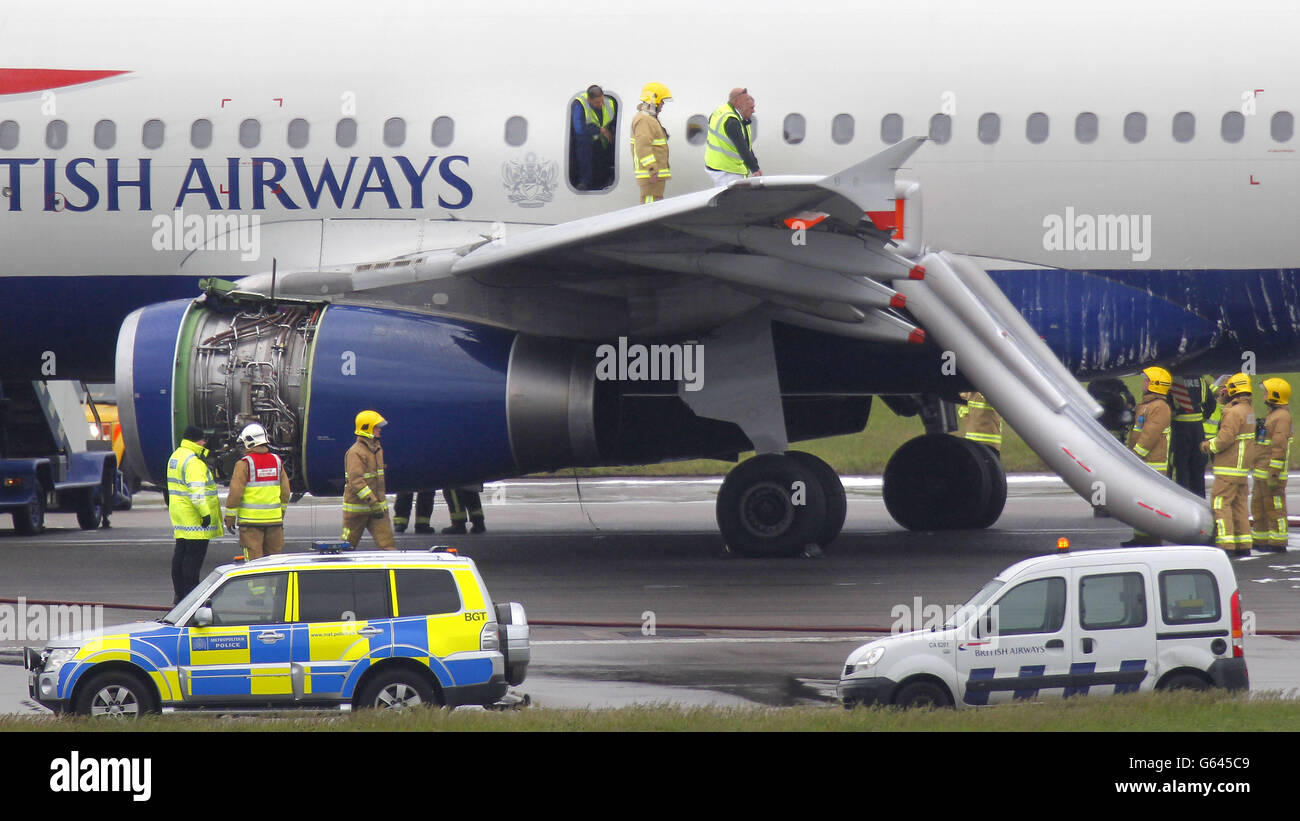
(27, 80)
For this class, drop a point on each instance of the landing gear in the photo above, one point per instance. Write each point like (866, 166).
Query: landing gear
(941, 482)
(777, 504)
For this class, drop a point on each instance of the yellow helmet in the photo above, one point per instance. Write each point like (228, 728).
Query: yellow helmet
(367, 422)
(656, 93)
(1159, 380)
(1238, 385)
(1276, 391)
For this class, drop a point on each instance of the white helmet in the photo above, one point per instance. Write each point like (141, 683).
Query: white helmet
(252, 436)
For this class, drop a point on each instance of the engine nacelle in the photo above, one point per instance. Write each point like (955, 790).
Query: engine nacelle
(464, 401)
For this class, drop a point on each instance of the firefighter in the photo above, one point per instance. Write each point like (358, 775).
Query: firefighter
(364, 505)
(982, 422)
(1231, 454)
(1272, 463)
(650, 143)
(259, 493)
(728, 148)
(1149, 438)
(194, 508)
(463, 503)
(423, 511)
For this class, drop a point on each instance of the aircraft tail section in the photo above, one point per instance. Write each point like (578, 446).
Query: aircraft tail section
(963, 311)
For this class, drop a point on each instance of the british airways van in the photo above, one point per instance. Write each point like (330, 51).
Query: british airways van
(1095, 622)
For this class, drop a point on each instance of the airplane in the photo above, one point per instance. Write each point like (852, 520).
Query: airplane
(296, 211)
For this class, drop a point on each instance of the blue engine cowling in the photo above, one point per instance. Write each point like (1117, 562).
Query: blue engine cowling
(304, 371)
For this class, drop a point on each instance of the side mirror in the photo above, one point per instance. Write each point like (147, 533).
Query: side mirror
(203, 616)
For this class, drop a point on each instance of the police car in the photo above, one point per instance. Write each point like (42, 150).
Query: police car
(330, 629)
(1090, 623)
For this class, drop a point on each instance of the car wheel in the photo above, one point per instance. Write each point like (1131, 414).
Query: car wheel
(1185, 681)
(90, 510)
(921, 694)
(118, 694)
(397, 690)
(30, 520)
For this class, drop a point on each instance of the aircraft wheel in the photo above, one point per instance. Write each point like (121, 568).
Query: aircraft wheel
(997, 499)
(837, 503)
(771, 505)
(941, 482)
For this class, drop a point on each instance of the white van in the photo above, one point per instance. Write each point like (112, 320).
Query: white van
(1094, 622)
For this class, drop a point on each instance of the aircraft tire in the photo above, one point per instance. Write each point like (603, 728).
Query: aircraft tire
(997, 499)
(770, 506)
(940, 482)
(837, 503)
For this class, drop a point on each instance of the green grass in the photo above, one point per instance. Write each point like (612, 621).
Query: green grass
(1213, 711)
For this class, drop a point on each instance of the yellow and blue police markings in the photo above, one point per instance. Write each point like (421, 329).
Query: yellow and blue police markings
(150, 648)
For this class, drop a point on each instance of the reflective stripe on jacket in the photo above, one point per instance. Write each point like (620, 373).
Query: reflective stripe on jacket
(259, 490)
(363, 476)
(1231, 446)
(649, 147)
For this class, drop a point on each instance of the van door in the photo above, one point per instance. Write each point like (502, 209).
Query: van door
(1115, 636)
(344, 618)
(1022, 647)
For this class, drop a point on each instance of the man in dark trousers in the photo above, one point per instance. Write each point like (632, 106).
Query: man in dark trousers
(194, 508)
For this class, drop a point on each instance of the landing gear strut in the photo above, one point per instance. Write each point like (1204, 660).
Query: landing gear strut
(941, 482)
(777, 504)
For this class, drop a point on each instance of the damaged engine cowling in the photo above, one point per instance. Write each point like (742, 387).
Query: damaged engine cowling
(465, 402)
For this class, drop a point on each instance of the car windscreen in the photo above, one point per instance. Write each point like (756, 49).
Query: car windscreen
(972, 606)
(190, 598)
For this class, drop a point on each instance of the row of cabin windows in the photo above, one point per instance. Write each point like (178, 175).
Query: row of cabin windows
(250, 133)
(1232, 128)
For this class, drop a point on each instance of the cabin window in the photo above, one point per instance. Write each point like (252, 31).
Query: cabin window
(1233, 127)
(697, 126)
(444, 131)
(941, 128)
(1184, 126)
(1282, 126)
(105, 134)
(891, 128)
(299, 133)
(345, 133)
(201, 133)
(516, 131)
(250, 133)
(8, 135)
(842, 129)
(1085, 127)
(1135, 127)
(152, 134)
(989, 128)
(794, 129)
(56, 134)
(394, 132)
(1037, 127)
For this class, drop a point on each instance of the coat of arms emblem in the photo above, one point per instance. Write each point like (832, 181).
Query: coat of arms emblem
(531, 183)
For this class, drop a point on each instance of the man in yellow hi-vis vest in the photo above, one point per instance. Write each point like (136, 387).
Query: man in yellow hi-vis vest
(592, 120)
(650, 143)
(194, 508)
(728, 148)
